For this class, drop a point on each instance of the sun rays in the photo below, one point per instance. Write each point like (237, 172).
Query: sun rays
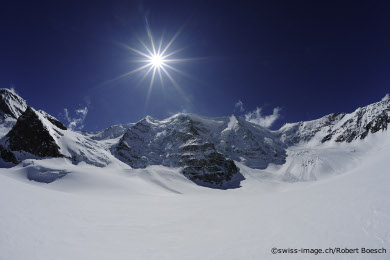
(158, 60)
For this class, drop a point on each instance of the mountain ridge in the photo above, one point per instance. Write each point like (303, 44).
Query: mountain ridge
(205, 148)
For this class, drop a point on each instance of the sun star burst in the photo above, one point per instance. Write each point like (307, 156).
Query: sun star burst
(157, 59)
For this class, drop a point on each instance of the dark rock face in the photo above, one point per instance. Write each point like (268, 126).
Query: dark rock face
(213, 169)
(179, 143)
(379, 123)
(326, 138)
(7, 155)
(30, 135)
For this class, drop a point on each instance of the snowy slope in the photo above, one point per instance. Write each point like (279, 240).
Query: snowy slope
(317, 184)
(339, 127)
(39, 135)
(156, 213)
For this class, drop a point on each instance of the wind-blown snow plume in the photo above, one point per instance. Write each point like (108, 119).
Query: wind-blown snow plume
(76, 122)
(387, 97)
(13, 90)
(239, 106)
(265, 121)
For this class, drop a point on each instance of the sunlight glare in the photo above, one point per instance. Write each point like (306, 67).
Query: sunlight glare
(156, 60)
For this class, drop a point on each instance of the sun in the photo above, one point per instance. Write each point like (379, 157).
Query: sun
(156, 60)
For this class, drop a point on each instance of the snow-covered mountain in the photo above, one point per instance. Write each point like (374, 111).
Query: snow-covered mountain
(38, 135)
(179, 141)
(111, 132)
(157, 213)
(339, 127)
(11, 107)
(209, 151)
(304, 132)
(141, 185)
(205, 147)
(11, 104)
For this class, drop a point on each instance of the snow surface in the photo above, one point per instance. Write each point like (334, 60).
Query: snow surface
(117, 212)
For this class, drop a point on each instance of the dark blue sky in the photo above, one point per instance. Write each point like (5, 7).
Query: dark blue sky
(311, 58)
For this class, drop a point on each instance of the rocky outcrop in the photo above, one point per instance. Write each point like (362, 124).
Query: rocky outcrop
(11, 105)
(178, 142)
(369, 119)
(36, 134)
(7, 155)
(204, 148)
(30, 134)
(211, 169)
(339, 127)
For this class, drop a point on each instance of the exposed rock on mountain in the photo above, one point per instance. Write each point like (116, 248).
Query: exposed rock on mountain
(30, 134)
(211, 168)
(7, 155)
(339, 127)
(176, 142)
(38, 134)
(365, 120)
(11, 105)
(205, 147)
(303, 132)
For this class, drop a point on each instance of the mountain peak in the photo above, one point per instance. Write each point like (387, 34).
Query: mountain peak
(11, 104)
(8, 90)
(386, 97)
(31, 134)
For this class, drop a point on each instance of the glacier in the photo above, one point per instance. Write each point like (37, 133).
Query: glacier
(124, 192)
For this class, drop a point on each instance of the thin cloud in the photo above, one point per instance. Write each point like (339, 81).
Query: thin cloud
(387, 97)
(258, 118)
(239, 106)
(76, 122)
